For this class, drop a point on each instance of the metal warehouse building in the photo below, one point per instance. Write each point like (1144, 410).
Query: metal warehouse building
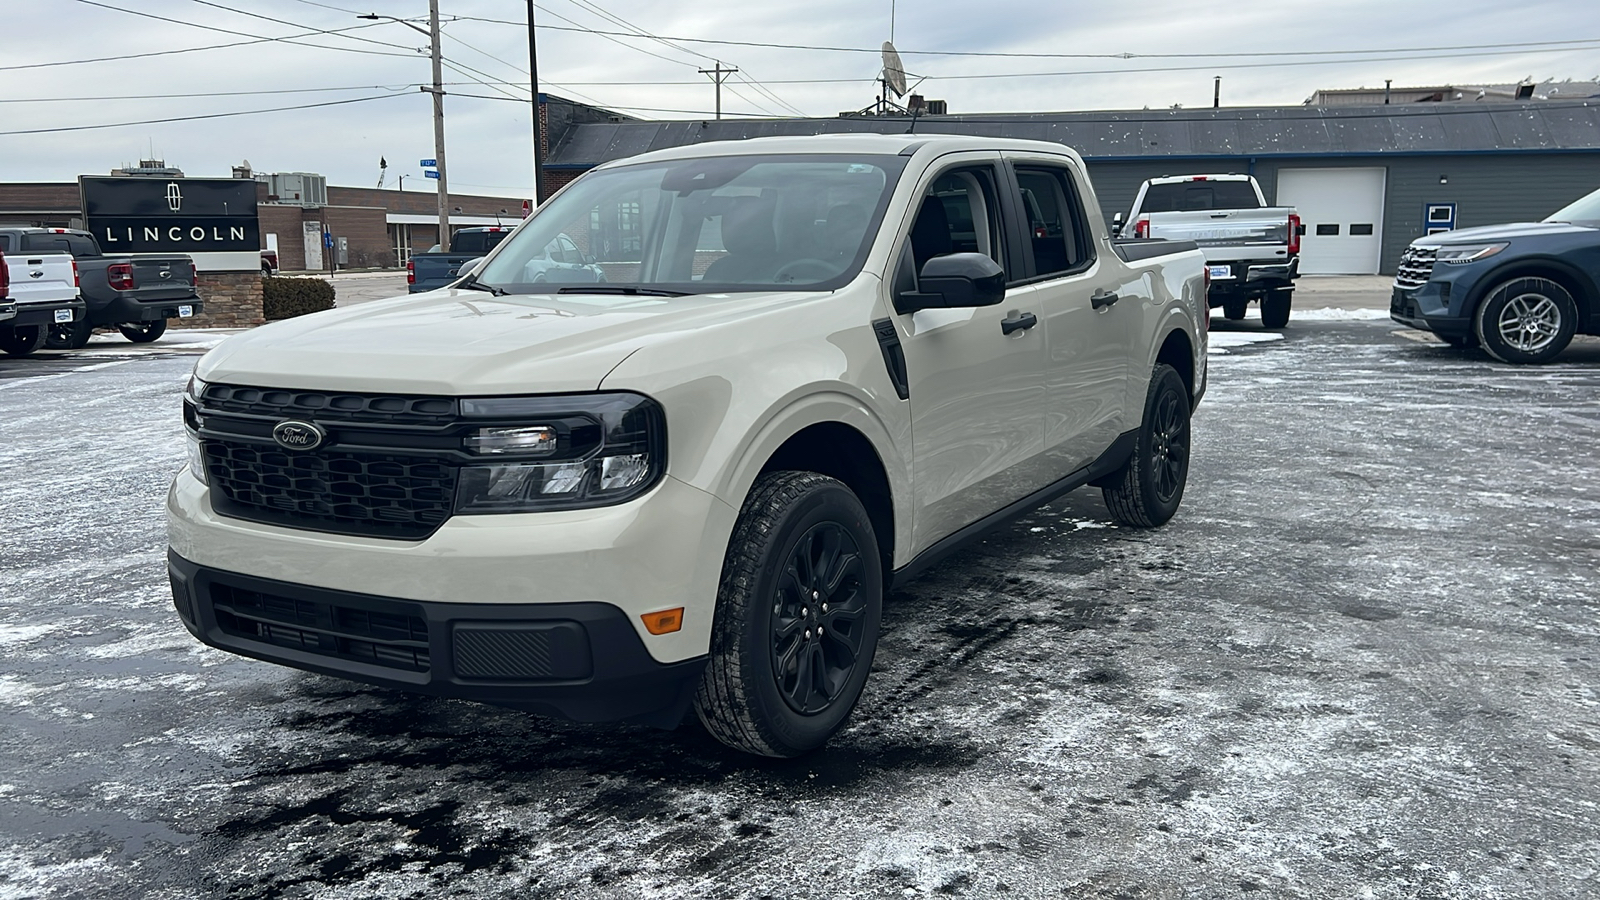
(1367, 180)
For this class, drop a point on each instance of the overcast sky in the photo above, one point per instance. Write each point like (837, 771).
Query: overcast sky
(489, 140)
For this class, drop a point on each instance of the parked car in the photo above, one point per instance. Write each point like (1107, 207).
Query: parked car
(45, 294)
(1252, 249)
(269, 263)
(438, 268)
(840, 359)
(1519, 291)
(134, 294)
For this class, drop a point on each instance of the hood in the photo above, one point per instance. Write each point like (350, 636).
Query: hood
(1499, 233)
(463, 342)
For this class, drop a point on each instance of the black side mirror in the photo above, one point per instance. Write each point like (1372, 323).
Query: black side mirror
(956, 280)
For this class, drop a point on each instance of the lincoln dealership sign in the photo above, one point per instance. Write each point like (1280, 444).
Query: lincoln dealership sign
(133, 214)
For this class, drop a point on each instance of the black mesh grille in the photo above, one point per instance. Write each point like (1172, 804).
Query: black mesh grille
(386, 495)
(394, 410)
(394, 639)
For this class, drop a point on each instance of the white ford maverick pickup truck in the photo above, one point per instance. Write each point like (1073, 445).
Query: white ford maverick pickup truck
(815, 366)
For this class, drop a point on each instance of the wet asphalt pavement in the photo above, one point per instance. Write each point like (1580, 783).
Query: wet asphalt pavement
(1360, 663)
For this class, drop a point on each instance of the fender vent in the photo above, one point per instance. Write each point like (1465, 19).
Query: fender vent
(894, 356)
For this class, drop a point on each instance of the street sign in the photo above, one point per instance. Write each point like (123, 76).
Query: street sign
(431, 173)
(327, 240)
(428, 162)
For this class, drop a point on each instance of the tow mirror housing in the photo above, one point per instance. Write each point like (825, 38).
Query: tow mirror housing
(1116, 225)
(956, 280)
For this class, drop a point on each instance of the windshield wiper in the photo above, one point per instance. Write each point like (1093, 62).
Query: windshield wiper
(476, 285)
(624, 289)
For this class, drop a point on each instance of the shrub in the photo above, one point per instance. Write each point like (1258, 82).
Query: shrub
(285, 298)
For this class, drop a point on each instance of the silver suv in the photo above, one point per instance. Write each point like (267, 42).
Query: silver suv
(815, 366)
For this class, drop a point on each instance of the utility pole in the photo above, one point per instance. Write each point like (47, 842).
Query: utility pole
(538, 127)
(719, 75)
(438, 127)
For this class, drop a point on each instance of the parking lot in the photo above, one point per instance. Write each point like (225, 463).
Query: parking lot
(1361, 662)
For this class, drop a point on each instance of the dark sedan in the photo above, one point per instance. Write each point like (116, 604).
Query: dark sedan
(1519, 291)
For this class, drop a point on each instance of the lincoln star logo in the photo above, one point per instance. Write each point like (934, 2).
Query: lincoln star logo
(298, 435)
(174, 196)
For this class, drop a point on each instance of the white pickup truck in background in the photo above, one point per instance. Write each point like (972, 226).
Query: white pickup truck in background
(1252, 250)
(43, 291)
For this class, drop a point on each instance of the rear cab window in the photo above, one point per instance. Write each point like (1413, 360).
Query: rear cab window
(1188, 196)
(78, 245)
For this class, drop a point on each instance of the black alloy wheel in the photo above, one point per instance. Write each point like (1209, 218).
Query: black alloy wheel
(797, 615)
(143, 332)
(21, 341)
(1148, 488)
(817, 619)
(70, 335)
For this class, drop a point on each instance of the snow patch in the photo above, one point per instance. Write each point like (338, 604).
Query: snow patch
(1330, 314)
(1221, 340)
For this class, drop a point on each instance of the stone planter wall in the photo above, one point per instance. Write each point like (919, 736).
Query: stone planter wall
(232, 300)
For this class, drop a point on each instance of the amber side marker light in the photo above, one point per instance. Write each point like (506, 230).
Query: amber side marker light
(664, 622)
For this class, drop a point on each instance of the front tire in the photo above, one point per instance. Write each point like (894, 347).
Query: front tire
(1526, 321)
(797, 615)
(1146, 491)
(1275, 307)
(21, 341)
(143, 332)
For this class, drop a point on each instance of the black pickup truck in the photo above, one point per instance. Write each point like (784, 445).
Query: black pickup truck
(134, 294)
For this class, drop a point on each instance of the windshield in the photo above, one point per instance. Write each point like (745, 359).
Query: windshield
(710, 225)
(1198, 195)
(1584, 209)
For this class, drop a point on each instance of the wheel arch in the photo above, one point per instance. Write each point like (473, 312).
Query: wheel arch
(841, 452)
(1177, 351)
(1583, 289)
(835, 435)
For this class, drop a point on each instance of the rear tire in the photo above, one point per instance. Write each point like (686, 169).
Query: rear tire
(1275, 307)
(1526, 321)
(797, 616)
(21, 341)
(1234, 310)
(143, 332)
(1148, 488)
(74, 336)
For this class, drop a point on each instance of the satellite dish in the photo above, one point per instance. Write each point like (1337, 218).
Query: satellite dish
(894, 74)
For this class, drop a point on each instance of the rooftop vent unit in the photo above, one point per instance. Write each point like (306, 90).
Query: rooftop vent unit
(297, 189)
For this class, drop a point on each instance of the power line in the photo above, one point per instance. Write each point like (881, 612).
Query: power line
(221, 115)
(148, 54)
(254, 15)
(134, 12)
(1005, 55)
(316, 90)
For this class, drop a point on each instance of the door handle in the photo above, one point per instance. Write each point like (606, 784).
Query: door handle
(1103, 299)
(1019, 323)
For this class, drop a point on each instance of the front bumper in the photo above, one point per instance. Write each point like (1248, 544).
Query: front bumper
(46, 313)
(128, 309)
(1433, 306)
(579, 661)
(660, 551)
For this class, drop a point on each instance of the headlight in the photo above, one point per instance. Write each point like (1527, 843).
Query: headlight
(194, 389)
(1470, 253)
(197, 457)
(566, 452)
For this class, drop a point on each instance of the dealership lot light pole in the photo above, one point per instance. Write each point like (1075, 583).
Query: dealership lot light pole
(437, 90)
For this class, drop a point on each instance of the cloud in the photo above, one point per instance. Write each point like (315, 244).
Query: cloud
(489, 140)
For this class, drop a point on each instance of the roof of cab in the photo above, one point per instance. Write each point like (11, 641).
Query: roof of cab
(859, 143)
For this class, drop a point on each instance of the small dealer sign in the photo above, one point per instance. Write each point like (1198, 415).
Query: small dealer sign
(130, 214)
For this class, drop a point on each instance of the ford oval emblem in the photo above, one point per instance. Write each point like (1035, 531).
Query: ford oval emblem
(293, 435)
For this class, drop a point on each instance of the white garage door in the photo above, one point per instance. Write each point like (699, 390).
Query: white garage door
(1342, 210)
